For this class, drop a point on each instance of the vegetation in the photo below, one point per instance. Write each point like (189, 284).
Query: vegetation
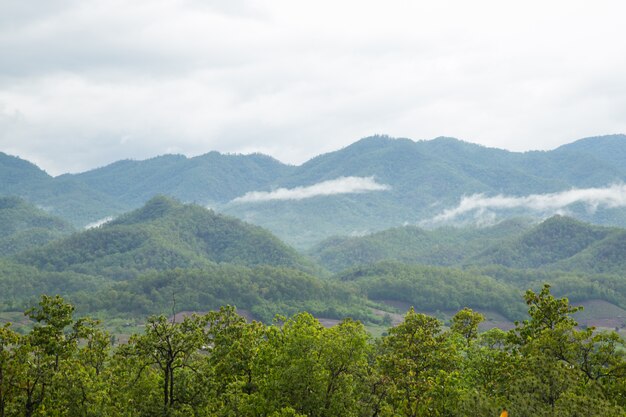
(425, 177)
(558, 243)
(164, 234)
(23, 226)
(217, 364)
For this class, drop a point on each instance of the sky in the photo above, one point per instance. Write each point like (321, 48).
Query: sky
(88, 82)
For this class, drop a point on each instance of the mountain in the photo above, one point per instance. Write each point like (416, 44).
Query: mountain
(430, 288)
(427, 177)
(24, 226)
(16, 173)
(558, 243)
(164, 234)
(422, 179)
(410, 244)
(554, 240)
(168, 254)
(205, 179)
(609, 149)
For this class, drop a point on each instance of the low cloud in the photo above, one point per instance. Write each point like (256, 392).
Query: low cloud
(98, 223)
(341, 185)
(556, 203)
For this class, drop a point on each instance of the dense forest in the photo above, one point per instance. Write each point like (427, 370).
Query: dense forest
(167, 254)
(219, 364)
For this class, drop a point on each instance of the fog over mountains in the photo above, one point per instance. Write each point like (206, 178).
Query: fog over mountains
(375, 183)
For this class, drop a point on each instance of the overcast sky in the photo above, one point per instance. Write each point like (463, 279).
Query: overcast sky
(84, 83)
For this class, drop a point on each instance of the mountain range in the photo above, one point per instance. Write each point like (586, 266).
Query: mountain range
(418, 181)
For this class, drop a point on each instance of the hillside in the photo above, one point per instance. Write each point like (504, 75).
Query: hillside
(422, 179)
(167, 252)
(210, 178)
(164, 234)
(554, 240)
(411, 244)
(23, 226)
(558, 243)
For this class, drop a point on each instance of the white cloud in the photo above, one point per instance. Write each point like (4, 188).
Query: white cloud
(341, 185)
(98, 223)
(556, 203)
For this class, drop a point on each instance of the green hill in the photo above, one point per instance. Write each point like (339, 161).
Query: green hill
(424, 178)
(23, 226)
(430, 288)
(605, 256)
(204, 179)
(411, 244)
(558, 243)
(554, 240)
(164, 234)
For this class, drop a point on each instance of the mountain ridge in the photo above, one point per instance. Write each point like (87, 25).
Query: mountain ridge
(424, 178)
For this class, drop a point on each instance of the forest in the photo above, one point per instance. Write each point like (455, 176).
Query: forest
(219, 364)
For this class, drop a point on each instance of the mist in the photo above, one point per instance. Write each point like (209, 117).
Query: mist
(552, 203)
(341, 185)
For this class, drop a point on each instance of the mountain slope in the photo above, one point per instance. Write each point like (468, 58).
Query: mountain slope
(411, 244)
(424, 178)
(208, 178)
(23, 226)
(164, 234)
(553, 241)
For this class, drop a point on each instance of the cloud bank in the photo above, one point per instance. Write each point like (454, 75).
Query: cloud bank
(593, 198)
(341, 185)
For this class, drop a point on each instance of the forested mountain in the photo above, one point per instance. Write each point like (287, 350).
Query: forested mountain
(555, 239)
(167, 252)
(138, 263)
(411, 244)
(422, 179)
(559, 243)
(23, 226)
(427, 177)
(207, 179)
(164, 234)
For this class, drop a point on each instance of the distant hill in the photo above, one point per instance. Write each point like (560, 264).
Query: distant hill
(423, 179)
(164, 234)
(558, 243)
(210, 178)
(24, 226)
(16, 174)
(427, 177)
(554, 240)
(444, 246)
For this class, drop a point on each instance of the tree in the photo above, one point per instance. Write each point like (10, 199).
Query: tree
(169, 347)
(416, 356)
(465, 322)
(8, 370)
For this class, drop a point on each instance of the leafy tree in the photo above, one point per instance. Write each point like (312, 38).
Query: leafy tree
(465, 322)
(416, 358)
(169, 347)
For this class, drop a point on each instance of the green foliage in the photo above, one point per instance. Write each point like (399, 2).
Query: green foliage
(23, 226)
(444, 246)
(164, 234)
(432, 288)
(218, 364)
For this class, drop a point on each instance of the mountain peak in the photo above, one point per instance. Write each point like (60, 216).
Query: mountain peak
(157, 207)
